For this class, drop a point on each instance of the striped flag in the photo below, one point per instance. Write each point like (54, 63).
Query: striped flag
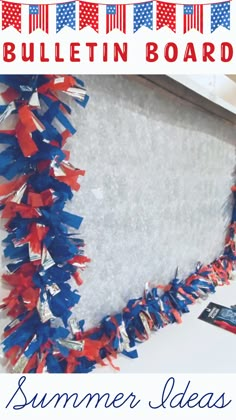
(193, 17)
(116, 17)
(38, 18)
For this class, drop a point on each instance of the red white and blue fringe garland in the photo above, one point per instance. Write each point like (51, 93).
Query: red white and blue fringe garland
(43, 254)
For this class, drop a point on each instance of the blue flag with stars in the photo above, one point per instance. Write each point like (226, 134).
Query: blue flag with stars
(143, 15)
(220, 15)
(111, 9)
(65, 15)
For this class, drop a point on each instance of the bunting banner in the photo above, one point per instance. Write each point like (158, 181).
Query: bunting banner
(165, 15)
(151, 31)
(88, 15)
(66, 15)
(143, 15)
(193, 17)
(220, 15)
(127, 18)
(11, 15)
(39, 18)
(116, 17)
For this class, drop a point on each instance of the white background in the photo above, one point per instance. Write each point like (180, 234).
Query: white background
(136, 62)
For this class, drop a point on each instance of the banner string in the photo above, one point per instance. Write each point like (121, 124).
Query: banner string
(111, 4)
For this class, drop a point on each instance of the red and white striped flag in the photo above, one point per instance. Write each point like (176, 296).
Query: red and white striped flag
(38, 18)
(116, 17)
(193, 17)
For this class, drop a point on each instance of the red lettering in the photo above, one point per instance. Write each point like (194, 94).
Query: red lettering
(151, 52)
(207, 50)
(73, 51)
(28, 56)
(91, 46)
(190, 53)
(227, 52)
(8, 52)
(123, 53)
(58, 59)
(43, 59)
(105, 52)
(168, 56)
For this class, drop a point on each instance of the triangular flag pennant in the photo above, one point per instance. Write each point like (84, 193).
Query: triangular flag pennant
(143, 15)
(88, 15)
(220, 15)
(11, 15)
(39, 17)
(166, 15)
(65, 15)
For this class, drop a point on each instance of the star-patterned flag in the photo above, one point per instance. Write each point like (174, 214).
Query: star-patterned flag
(166, 15)
(143, 15)
(65, 15)
(116, 17)
(38, 17)
(11, 15)
(88, 15)
(193, 17)
(220, 15)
